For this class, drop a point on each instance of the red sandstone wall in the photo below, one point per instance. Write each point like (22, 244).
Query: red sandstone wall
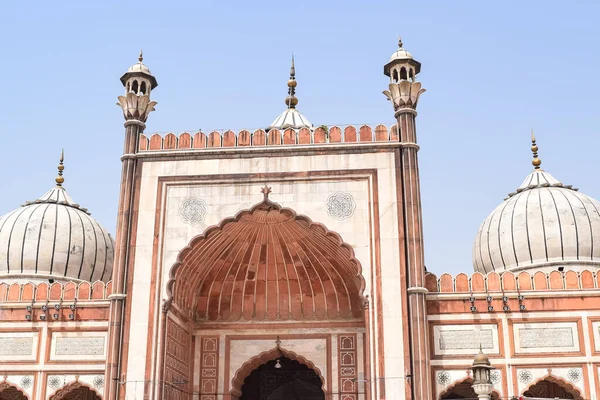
(274, 137)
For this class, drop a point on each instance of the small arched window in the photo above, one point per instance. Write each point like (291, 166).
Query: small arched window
(134, 86)
(411, 74)
(403, 73)
(143, 88)
(395, 76)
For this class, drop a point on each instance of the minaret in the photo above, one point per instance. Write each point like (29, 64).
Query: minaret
(136, 105)
(404, 92)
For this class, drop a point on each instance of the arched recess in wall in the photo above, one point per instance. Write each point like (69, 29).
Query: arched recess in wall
(462, 390)
(11, 392)
(267, 263)
(76, 390)
(552, 387)
(249, 366)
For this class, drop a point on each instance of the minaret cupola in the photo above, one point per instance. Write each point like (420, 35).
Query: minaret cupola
(402, 66)
(138, 78)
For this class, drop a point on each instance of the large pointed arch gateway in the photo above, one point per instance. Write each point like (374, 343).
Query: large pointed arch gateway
(267, 263)
(10, 392)
(551, 387)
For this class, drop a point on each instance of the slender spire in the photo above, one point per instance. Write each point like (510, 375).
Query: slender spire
(534, 149)
(291, 100)
(400, 42)
(141, 57)
(59, 179)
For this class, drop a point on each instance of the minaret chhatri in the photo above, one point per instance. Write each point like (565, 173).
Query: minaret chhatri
(136, 105)
(404, 92)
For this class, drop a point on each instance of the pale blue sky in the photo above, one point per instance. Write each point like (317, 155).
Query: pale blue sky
(492, 70)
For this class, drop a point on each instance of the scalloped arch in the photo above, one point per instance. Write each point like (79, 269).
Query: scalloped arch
(267, 263)
(10, 387)
(246, 369)
(458, 382)
(66, 391)
(572, 390)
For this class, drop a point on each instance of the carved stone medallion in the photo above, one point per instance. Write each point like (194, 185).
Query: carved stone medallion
(340, 206)
(192, 210)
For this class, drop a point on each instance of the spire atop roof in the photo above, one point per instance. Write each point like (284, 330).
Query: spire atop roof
(399, 41)
(534, 149)
(291, 100)
(141, 57)
(59, 179)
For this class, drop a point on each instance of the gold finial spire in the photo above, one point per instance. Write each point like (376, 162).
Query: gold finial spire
(59, 179)
(291, 101)
(534, 149)
(141, 57)
(400, 41)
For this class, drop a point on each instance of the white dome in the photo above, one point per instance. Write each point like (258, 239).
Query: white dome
(543, 224)
(290, 118)
(139, 67)
(401, 54)
(54, 238)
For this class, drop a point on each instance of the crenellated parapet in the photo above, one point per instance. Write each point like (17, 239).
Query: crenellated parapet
(512, 282)
(274, 137)
(42, 292)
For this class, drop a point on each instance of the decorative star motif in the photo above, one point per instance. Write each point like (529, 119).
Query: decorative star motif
(265, 191)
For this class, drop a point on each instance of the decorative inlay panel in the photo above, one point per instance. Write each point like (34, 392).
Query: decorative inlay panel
(546, 337)
(209, 365)
(347, 367)
(79, 346)
(16, 346)
(340, 206)
(192, 210)
(461, 339)
(177, 361)
(465, 339)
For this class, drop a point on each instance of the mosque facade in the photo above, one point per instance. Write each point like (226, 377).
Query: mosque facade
(287, 262)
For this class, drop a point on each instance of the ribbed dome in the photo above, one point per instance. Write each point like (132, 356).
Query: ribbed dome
(401, 54)
(544, 224)
(290, 118)
(54, 238)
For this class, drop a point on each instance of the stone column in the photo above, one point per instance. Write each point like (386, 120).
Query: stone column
(135, 109)
(404, 96)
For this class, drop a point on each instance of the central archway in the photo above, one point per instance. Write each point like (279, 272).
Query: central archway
(282, 379)
(267, 263)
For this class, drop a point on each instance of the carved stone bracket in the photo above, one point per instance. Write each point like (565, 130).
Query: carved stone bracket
(404, 94)
(136, 107)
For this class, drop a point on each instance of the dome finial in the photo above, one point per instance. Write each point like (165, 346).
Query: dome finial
(291, 100)
(59, 179)
(534, 149)
(141, 57)
(400, 45)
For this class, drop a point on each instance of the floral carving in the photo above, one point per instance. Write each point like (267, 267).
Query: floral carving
(574, 375)
(26, 382)
(404, 94)
(525, 376)
(98, 382)
(495, 377)
(54, 382)
(136, 107)
(340, 206)
(192, 210)
(443, 378)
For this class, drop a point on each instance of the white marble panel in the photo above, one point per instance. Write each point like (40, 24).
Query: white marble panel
(78, 346)
(465, 339)
(551, 337)
(18, 346)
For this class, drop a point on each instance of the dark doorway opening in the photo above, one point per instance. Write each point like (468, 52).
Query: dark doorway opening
(547, 389)
(283, 379)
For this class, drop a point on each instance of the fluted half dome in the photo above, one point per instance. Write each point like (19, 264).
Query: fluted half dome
(54, 238)
(290, 118)
(544, 225)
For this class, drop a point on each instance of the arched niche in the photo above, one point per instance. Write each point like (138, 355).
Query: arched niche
(267, 263)
(550, 387)
(270, 357)
(463, 389)
(76, 390)
(11, 392)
